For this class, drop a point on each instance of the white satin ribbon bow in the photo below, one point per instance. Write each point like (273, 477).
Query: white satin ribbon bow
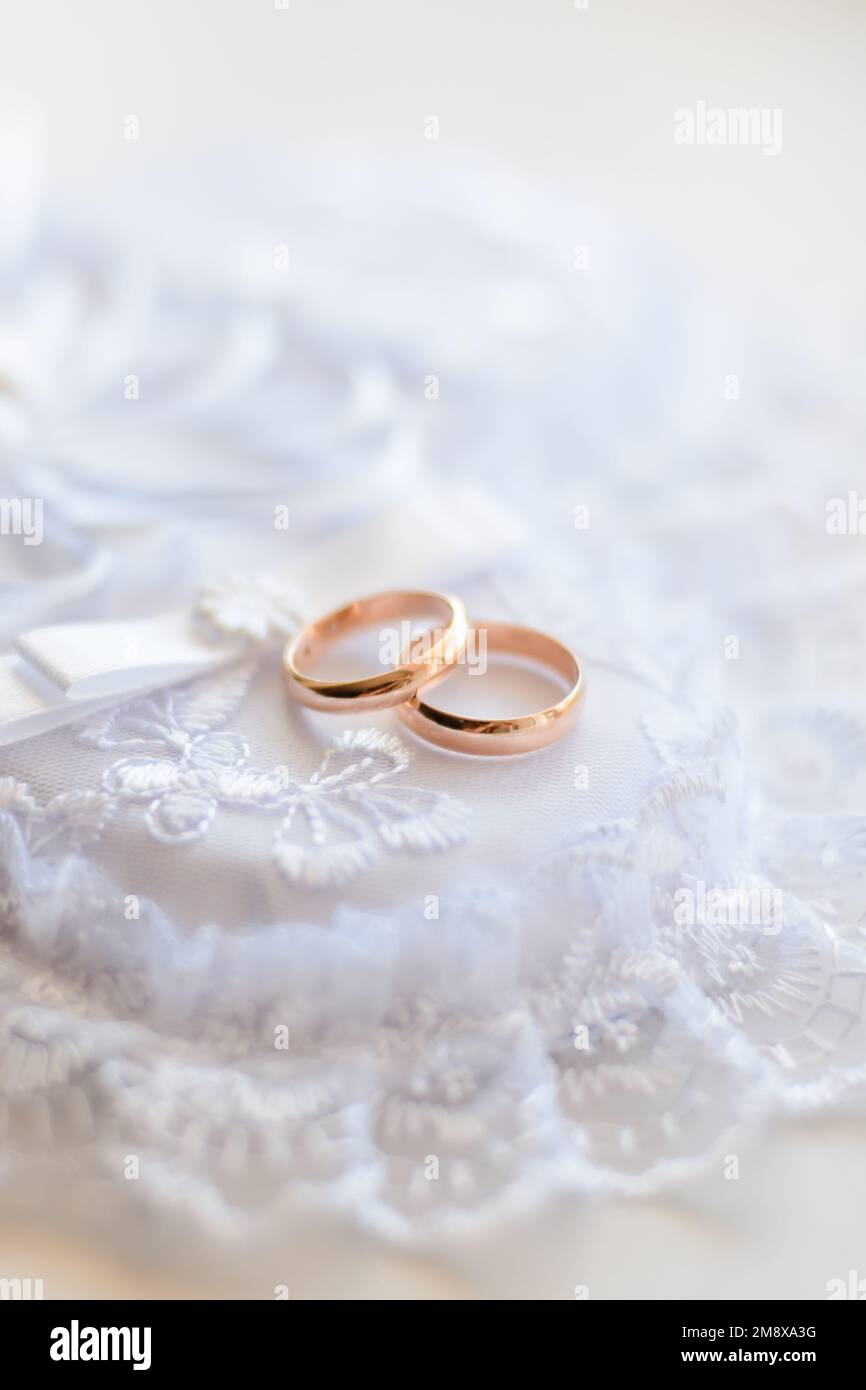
(57, 675)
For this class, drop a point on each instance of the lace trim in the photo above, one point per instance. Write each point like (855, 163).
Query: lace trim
(565, 1034)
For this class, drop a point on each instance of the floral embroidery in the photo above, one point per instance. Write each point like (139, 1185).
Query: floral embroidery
(182, 791)
(353, 811)
(166, 720)
(183, 767)
(257, 606)
(792, 989)
(28, 828)
(66, 822)
(179, 754)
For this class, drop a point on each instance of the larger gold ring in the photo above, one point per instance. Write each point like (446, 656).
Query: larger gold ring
(525, 732)
(430, 655)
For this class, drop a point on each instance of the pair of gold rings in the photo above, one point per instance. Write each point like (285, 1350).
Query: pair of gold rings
(425, 661)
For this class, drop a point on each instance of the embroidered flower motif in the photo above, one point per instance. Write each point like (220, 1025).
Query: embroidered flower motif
(181, 759)
(29, 828)
(454, 1086)
(259, 606)
(456, 1102)
(183, 790)
(609, 1032)
(353, 812)
(65, 822)
(788, 984)
(226, 1112)
(154, 723)
(184, 767)
(637, 1052)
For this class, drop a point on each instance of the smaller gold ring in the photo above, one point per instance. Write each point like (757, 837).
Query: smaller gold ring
(438, 651)
(524, 733)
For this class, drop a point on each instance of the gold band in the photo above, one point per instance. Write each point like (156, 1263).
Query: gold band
(389, 687)
(522, 734)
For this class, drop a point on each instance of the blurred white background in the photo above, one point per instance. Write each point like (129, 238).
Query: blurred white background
(583, 92)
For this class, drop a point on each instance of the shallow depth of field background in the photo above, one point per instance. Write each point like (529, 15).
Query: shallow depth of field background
(584, 94)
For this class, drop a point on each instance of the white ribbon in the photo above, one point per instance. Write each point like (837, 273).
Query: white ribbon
(60, 674)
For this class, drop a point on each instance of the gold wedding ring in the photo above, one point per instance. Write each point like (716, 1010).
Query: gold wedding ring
(423, 660)
(430, 655)
(525, 732)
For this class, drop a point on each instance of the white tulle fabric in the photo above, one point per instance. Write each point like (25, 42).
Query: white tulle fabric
(298, 965)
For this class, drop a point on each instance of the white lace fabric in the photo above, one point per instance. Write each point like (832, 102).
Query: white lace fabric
(299, 965)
